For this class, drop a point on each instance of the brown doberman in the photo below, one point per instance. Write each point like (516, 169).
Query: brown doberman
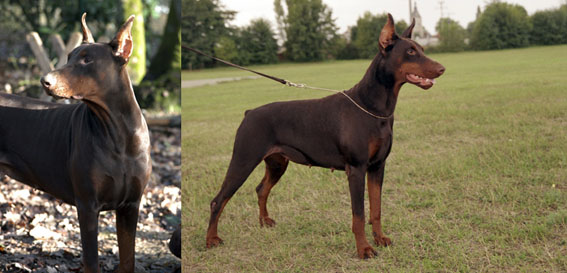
(331, 132)
(94, 154)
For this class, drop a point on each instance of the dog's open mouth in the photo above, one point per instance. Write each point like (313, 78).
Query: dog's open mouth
(422, 82)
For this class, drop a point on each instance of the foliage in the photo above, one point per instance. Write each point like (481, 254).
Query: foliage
(203, 24)
(163, 76)
(549, 27)
(168, 55)
(257, 44)
(500, 26)
(348, 51)
(280, 19)
(60, 16)
(400, 27)
(226, 49)
(367, 33)
(451, 35)
(310, 30)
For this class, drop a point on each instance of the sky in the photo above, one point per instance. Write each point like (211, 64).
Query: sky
(346, 12)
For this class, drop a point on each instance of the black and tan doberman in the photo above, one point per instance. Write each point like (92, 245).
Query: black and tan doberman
(331, 132)
(94, 154)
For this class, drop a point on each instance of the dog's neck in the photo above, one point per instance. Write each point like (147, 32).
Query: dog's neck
(377, 91)
(117, 109)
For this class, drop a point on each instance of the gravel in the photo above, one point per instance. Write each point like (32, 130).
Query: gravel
(41, 234)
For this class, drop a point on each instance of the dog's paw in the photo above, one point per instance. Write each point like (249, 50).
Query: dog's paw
(367, 253)
(213, 241)
(382, 241)
(267, 221)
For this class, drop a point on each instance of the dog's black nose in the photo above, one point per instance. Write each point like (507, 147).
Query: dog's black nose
(441, 70)
(48, 80)
(44, 82)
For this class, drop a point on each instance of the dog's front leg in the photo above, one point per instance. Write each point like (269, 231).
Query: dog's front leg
(356, 187)
(374, 180)
(88, 223)
(126, 221)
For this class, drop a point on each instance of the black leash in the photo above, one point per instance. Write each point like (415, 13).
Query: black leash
(282, 81)
(285, 82)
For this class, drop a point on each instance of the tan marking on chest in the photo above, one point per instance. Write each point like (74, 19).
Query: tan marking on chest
(373, 147)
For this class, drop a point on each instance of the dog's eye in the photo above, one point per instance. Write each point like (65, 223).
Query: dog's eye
(86, 60)
(411, 51)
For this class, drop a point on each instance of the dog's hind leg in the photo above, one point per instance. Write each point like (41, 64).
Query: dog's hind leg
(276, 165)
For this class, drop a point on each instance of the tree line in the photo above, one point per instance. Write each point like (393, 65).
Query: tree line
(307, 31)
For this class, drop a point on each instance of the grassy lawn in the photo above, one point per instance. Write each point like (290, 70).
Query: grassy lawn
(476, 180)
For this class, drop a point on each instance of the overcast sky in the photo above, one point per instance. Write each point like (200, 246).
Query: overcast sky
(346, 12)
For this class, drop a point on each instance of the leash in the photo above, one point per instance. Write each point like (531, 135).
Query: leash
(286, 82)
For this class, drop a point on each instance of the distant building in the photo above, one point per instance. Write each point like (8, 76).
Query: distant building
(420, 34)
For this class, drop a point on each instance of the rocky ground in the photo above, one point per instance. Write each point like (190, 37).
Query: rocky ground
(41, 234)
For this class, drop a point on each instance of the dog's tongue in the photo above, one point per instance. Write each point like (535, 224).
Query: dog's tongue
(421, 80)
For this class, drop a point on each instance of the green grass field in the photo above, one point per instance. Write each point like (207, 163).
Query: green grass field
(476, 180)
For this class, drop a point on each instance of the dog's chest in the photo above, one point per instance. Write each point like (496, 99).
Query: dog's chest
(379, 148)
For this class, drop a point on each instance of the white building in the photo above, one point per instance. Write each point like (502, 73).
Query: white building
(420, 34)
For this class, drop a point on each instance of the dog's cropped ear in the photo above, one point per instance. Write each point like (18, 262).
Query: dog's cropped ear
(388, 35)
(87, 36)
(122, 44)
(409, 30)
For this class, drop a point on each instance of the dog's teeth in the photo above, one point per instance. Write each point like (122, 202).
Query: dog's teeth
(427, 80)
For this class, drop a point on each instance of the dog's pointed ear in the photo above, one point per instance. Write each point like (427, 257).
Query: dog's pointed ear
(388, 35)
(87, 36)
(122, 44)
(409, 30)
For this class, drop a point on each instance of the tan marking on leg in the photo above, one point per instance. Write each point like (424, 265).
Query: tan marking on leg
(212, 236)
(374, 194)
(363, 248)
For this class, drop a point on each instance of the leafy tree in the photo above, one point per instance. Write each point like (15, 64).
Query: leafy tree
(160, 86)
(226, 49)
(367, 32)
(310, 30)
(60, 16)
(257, 43)
(280, 19)
(500, 26)
(168, 55)
(451, 35)
(203, 24)
(549, 27)
(347, 50)
(401, 26)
